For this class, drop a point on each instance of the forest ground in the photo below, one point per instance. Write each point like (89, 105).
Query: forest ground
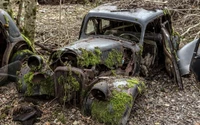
(162, 103)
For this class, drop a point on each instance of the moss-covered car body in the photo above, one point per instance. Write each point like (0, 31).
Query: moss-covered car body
(14, 46)
(101, 71)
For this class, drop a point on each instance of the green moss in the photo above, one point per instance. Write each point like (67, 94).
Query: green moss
(59, 115)
(113, 72)
(28, 81)
(28, 42)
(89, 58)
(114, 59)
(47, 86)
(7, 21)
(10, 12)
(166, 11)
(61, 118)
(112, 111)
(56, 54)
(141, 50)
(70, 84)
(135, 81)
(21, 53)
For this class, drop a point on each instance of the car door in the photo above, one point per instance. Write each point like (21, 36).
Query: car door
(170, 52)
(195, 62)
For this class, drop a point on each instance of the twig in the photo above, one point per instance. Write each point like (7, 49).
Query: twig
(60, 21)
(19, 13)
(189, 15)
(44, 47)
(156, 1)
(184, 9)
(48, 103)
(5, 103)
(47, 39)
(190, 29)
(197, 35)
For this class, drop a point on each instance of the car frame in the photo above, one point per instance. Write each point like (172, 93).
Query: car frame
(15, 46)
(105, 68)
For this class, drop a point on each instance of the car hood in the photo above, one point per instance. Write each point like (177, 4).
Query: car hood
(91, 43)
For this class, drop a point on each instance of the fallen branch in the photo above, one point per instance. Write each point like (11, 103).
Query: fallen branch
(197, 35)
(159, 2)
(190, 29)
(44, 47)
(183, 9)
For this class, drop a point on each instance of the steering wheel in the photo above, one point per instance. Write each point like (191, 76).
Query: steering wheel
(129, 36)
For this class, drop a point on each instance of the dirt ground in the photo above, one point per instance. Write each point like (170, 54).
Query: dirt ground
(161, 103)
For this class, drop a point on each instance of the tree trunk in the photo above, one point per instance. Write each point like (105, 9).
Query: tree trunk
(19, 13)
(29, 19)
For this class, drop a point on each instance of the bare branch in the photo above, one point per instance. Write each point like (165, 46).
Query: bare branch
(190, 29)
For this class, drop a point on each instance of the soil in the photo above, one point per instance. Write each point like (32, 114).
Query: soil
(162, 103)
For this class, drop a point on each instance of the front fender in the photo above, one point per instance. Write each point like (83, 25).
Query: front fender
(116, 107)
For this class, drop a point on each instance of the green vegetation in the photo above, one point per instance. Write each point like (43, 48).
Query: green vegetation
(141, 50)
(113, 110)
(28, 42)
(114, 58)
(46, 84)
(70, 84)
(135, 81)
(7, 21)
(21, 54)
(88, 58)
(61, 118)
(59, 114)
(166, 11)
(30, 85)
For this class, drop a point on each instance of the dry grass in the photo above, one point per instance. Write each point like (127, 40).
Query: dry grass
(161, 104)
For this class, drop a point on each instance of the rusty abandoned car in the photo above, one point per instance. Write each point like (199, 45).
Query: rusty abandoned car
(14, 46)
(103, 72)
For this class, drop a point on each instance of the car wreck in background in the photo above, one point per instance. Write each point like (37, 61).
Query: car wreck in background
(103, 72)
(14, 46)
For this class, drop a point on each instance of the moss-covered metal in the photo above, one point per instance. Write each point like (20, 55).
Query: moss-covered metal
(28, 81)
(114, 59)
(46, 85)
(111, 112)
(21, 52)
(6, 21)
(141, 50)
(135, 81)
(88, 58)
(29, 42)
(70, 84)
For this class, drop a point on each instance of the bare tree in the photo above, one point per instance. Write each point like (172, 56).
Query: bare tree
(30, 18)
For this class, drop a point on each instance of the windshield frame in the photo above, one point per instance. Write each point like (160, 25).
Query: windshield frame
(110, 17)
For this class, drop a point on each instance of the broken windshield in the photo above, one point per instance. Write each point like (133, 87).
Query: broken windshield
(124, 29)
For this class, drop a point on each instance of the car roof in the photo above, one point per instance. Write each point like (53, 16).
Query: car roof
(139, 15)
(5, 19)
